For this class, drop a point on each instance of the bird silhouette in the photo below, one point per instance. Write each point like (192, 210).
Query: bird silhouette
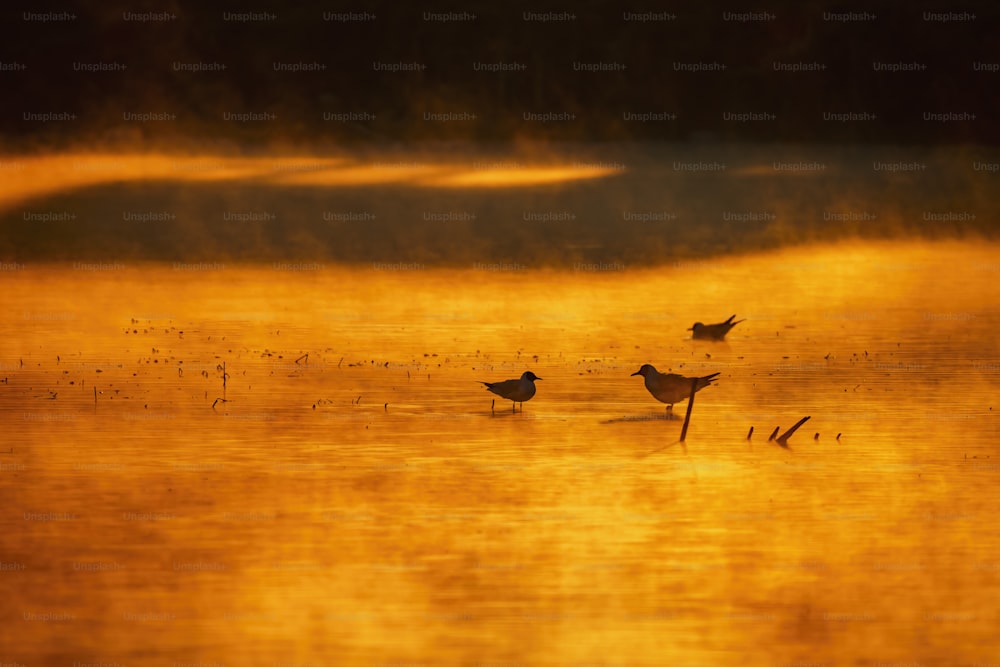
(712, 331)
(670, 388)
(517, 391)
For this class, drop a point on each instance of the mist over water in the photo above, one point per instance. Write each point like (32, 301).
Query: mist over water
(459, 205)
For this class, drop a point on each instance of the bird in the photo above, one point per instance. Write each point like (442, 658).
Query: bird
(517, 391)
(670, 388)
(713, 331)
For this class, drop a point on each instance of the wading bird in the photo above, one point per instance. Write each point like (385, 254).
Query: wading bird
(670, 388)
(517, 391)
(713, 331)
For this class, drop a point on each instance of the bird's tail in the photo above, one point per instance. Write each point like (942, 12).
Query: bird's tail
(707, 380)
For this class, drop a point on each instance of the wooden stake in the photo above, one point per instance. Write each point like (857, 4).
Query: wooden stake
(687, 417)
(783, 439)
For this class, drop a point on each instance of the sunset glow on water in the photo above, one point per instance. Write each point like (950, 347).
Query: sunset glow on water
(354, 483)
(31, 177)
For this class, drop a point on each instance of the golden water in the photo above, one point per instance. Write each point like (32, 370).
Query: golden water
(363, 505)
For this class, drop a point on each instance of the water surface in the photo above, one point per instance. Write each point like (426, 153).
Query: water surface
(346, 495)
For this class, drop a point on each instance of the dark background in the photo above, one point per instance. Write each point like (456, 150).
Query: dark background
(951, 195)
(399, 33)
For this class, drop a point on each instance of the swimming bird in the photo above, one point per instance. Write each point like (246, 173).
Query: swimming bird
(517, 391)
(713, 331)
(670, 388)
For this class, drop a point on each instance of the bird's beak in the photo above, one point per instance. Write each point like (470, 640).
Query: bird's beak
(636, 373)
(690, 329)
(537, 378)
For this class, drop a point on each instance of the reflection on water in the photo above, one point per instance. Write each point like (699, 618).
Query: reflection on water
(351, 499)
(46, 175)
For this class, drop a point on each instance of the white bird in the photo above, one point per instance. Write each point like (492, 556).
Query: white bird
(713, 331)
(517, 391)
(670, 388)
